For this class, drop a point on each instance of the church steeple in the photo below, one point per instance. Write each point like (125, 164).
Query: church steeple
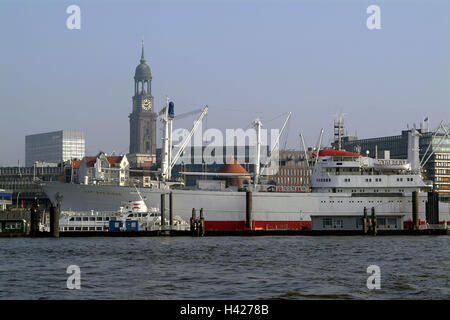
(143, 118)
(142, 76)
(142, 56)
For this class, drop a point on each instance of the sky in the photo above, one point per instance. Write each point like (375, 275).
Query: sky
(244, 59)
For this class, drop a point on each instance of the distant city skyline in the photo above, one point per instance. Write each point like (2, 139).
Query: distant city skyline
(244, 59)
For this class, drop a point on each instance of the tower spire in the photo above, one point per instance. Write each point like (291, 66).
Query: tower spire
(142, 56)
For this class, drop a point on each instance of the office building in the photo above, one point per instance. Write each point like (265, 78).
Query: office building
(54, 147)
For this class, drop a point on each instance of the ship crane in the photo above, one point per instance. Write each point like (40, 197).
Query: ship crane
(258, 139)
(168, 162)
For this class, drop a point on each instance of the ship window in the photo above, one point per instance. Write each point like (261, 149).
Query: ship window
(359, 222)
(99, 218)
(338, 223)
(106, 218)
(70, 228)
(91, 228)
(77, 218)
(326, 222)
(85, 228)
(91, 218)
(392, 222)
(71, 219)
(85, 218)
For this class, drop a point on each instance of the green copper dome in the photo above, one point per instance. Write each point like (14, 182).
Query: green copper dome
(142, 70)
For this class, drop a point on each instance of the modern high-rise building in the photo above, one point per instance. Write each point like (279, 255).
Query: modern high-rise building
(54, 147)
(142, 118)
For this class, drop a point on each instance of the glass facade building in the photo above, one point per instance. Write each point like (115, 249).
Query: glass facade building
(54, 147)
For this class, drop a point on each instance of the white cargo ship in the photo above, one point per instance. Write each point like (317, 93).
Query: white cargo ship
(342, 184)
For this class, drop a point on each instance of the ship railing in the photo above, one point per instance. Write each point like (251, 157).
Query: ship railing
(156, 226)
(443, 226)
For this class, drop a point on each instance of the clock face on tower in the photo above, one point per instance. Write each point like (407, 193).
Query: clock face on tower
(146, 104)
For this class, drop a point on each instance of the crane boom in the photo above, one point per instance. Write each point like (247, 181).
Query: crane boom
(277, 142)
(188, 137)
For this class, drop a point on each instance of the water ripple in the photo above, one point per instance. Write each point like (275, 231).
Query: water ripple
(226, 268)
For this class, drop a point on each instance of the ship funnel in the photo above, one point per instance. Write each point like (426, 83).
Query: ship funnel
(413, 150)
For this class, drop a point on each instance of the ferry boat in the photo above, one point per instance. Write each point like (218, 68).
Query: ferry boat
(141, 218)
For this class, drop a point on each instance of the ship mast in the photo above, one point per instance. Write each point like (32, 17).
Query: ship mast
(165, 147)
(258, 125)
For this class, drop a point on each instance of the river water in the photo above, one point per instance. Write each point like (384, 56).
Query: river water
(289, 267)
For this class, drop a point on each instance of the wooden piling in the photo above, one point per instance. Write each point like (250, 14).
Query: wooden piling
(415, 209)
(33, 218)
(432, 208)
(163, 211)
(248, 210)
(171, 210)
(374, 222)
(365, 221)
(54, 220)
(436, 208)
(202, 223)
(193, 222)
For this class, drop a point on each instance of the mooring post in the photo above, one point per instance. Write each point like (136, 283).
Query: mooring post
(430, 207)
(248, 210)
(202, 223)
(171, 210)
(374, 222)
(51, 216)
(415, 209)
(365, 221)
(193, 222)
(33, 217)
(54, 220)
(163, 211)
(436, 208)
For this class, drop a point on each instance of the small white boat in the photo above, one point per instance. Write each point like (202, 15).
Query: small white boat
(136, 213)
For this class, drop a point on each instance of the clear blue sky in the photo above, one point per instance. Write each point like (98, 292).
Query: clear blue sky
(242, 58)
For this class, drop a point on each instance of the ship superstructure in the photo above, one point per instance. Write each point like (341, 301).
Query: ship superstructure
(338, 171)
